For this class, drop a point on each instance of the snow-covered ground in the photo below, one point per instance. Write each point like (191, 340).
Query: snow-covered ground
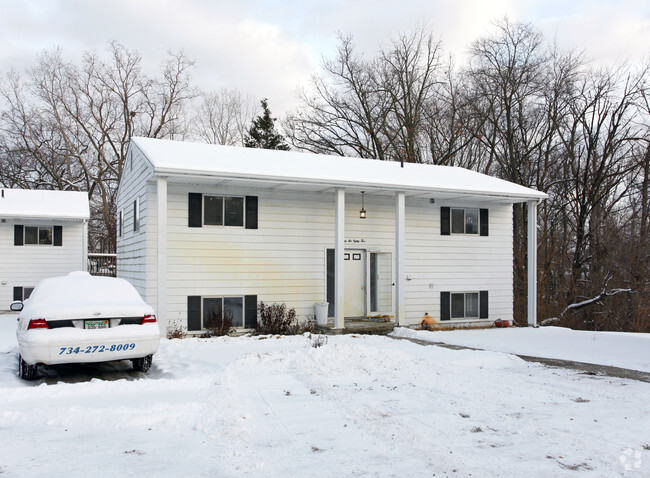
(356, 406)
(616, 349)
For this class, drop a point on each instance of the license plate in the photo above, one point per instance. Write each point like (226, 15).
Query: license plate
(96, 324)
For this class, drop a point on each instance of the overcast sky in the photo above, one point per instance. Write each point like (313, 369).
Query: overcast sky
(269, 47)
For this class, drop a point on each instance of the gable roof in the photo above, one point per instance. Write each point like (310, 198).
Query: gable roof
(41, 204)
(177, 159)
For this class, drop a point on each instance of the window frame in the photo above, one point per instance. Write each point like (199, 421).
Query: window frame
(120, 223)
(466, 297)
(25, 292)
(224, 199)
(38, 236)
(449, 301)
(465, 210)
(223, 301)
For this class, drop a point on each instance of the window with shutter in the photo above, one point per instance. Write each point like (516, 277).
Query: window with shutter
(229, 211)
(464, 305)
(38, 235)
(465, 221)
(205, 312)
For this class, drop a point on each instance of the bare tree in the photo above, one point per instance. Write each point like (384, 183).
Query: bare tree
(223, 117)
(371, 108)
(344, 113)
(67, 127)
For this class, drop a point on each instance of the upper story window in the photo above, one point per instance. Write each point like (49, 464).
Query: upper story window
(223, 211)
(468, 221)
(219, 210)
(136, 215)
(120, 222)
(38, 235)
(464, 221)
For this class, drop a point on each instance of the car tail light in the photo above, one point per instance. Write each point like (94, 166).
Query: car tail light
(148, 319)
(37, 324)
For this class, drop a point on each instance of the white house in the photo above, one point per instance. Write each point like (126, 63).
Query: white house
(204, 228)
(42, 234)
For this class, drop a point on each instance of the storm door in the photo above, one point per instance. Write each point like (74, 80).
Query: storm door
(380, 283)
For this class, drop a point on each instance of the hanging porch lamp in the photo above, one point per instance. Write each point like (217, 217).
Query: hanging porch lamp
(362, 213)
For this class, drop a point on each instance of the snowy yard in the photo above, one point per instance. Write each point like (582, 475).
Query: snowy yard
(357, 406)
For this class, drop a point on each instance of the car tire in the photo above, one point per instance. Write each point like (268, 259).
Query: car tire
(142, 364)
(26, 371)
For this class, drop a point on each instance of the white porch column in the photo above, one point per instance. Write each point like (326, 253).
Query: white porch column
(339, 265)
(532, 263)
(400, 257)
(84, 246)
(161, 260)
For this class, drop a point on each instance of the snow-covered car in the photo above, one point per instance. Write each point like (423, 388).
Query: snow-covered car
(81, 318)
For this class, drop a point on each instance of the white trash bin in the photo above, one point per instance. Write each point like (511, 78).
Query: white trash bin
(321, 312)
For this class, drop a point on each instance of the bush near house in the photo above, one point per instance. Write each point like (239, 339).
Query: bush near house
(276, 319)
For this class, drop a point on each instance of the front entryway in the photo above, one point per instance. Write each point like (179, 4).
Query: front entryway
(355, 279)
(368, 282)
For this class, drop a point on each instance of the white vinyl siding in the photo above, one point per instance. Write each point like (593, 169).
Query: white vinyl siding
(457, 263)
(136, 251)
(25, 266)
(285, 259)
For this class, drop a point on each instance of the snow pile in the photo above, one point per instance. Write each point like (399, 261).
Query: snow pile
(356, 406)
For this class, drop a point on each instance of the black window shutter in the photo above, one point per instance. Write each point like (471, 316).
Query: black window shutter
(445, 221)
(483, 304)
(444, 305)
(195, 210)
(484, 222)
(194, 312)
(251, 212)
(18, 235)
(250, 309)
(18, 293)
(58, 235)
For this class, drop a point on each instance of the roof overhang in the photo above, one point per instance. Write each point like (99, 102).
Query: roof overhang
(220, 181)
(225, 166)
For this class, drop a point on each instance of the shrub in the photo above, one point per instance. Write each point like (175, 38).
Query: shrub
(276, 319)
(309, 325)
(175, 330)
(317, 341)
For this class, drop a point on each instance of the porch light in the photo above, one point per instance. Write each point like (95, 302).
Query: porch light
(362, 213)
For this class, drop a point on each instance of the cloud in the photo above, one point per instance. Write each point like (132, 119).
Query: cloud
(269, 47)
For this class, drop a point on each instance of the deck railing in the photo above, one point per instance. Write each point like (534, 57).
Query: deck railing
(102, 264)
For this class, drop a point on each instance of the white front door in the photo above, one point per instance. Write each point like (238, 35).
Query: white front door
(355, 279)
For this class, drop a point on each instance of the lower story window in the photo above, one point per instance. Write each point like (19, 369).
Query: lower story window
(464, 305)
(210, 312)
(22, 293)
(217, 310)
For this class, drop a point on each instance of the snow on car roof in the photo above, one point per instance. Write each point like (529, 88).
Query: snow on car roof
(178, 157)
(80, 293)
(36, 203)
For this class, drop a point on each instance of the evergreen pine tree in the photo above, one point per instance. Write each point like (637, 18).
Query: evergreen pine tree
(262, 133)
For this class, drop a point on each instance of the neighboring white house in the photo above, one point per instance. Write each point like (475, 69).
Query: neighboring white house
(42, 234)
(205, 228)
